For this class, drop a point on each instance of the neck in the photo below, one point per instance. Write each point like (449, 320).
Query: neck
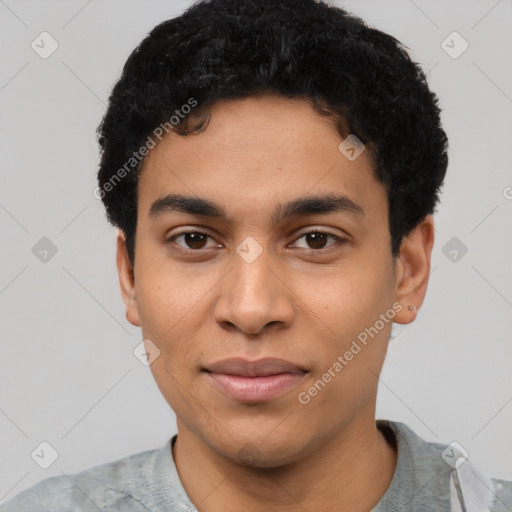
(351, 470)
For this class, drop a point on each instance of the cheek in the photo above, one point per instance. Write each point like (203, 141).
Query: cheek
(344, 309)
(171, 311)
(169, 295)
(346, 298)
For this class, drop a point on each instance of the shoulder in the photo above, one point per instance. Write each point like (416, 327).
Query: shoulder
(116, 484)
(445, 471)
(502, 490)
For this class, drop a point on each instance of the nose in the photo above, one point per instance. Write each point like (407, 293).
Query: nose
(254, 297)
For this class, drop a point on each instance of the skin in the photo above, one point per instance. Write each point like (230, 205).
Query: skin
(300, 300)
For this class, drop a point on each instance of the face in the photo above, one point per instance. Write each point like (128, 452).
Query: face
(290, 259)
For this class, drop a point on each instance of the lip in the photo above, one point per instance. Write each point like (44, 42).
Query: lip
(254, 381)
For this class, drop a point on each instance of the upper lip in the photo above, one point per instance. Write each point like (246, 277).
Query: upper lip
(259, 368)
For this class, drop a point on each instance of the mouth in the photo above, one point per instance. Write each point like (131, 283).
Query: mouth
(254, 381)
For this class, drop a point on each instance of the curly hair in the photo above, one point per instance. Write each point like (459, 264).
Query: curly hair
(218, 50)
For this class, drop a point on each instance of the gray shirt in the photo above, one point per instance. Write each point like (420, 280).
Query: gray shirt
(428, 477)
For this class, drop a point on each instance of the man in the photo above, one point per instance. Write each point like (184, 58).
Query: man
(273, 168)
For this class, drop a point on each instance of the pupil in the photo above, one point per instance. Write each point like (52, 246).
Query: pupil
(194, 240)
(317, 240)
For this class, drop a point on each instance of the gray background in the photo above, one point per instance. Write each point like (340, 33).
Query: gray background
(68, 373)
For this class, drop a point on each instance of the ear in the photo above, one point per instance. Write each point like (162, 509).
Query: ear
(127, 280)
(412, 270)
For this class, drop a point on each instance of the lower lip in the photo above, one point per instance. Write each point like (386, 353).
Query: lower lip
(255, 389)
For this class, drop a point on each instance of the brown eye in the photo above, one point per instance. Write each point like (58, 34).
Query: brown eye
(192, 240)
(195, 240)
(318, 240)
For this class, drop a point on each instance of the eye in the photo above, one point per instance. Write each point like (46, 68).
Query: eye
(317, 239)
(193, 239)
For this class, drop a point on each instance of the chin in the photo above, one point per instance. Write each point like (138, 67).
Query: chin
(259, 452)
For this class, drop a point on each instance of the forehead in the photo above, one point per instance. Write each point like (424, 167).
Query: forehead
(258, 152)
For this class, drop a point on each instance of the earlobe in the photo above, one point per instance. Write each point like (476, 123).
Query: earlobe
(413, 270)
(127, 281)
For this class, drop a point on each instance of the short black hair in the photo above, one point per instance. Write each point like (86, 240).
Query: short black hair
(218, 50)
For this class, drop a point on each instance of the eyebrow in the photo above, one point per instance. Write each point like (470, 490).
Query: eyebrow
(309, 205)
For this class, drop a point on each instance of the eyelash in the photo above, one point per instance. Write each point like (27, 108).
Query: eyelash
(338, 240)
